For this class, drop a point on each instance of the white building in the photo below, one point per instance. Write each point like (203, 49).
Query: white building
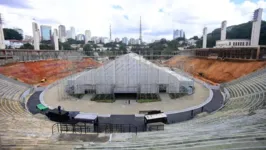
(69, 35)
(95, 39)
(233, 43)
(36, 36)
(62, 33)
(87, 36)
(130, 73)
(73, 32)
(178, 34)
(125, 40)
(117, 40)
(104, 40)
(192, 42)
(80, 37)
(132, 41)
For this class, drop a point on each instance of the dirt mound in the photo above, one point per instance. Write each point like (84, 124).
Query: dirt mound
(51, 70)
(215, 71)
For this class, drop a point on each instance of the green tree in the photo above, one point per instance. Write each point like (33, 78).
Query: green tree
(88, 49)
(46, 47)
(26, 46)
(11, 34)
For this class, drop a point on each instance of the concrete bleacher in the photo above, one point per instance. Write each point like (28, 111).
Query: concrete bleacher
(240, 124)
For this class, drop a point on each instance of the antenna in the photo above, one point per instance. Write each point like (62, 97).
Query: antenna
(140, 30)
(110, 33)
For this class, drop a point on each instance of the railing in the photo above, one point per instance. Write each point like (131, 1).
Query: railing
(100, 128)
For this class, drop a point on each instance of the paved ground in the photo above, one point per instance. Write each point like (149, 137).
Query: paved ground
(56, 96)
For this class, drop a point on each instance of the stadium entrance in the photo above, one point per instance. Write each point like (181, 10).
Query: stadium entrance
(125, 96)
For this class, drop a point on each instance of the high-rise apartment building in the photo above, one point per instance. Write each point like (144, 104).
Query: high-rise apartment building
(73, 32)
(62, 33)
(87, 36)
(178, 34)
(125, 40)
(46, 32)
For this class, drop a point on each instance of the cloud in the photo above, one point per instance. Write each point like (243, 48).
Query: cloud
(159, 18)
(15, 4)
(117, 7)
(126, 17)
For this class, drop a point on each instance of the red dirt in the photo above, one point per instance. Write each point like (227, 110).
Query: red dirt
(51, 70)
(215, 71)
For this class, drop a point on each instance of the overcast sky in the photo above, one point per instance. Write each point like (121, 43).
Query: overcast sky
(159, 17)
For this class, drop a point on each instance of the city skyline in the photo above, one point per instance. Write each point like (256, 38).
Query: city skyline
(158, 20)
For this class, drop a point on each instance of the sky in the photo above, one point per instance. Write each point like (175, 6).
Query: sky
(159, 17)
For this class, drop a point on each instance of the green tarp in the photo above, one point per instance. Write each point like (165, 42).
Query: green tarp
(41, 107)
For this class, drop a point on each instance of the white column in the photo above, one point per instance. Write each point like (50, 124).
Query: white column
(255, 35)
(204, 43)
(223, 30)
(2, 38)
(56, 46)
(36, 36)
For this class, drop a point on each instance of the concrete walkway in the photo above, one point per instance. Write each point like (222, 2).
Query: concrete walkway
(56, 96)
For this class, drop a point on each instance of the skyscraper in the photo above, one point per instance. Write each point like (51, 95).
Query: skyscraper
(87, 36)
(62, 32)
(73, 32)
(69, 34)
(46, 32)
(125, 40)
(178, 33)
(80, 37)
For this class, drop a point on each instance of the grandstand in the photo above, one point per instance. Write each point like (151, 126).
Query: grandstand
(239, 123)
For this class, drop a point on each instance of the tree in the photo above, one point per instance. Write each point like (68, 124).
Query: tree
(26, 46)
(194, 38)
(11, 34)
(88, 49)
(46, 47)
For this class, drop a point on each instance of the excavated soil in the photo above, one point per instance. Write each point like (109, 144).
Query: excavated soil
(34, 72)
(215, 71)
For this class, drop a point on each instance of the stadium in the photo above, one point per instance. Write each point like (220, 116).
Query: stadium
(227, 109)
(206, 98)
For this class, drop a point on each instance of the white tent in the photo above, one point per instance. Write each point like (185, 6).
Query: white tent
(129, 73)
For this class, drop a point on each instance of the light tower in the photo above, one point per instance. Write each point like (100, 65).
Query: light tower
(36, 36)
(140, 31)
(223, 30)
(204, 43)
(2, 38)
(255, 34)
(56, 46)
